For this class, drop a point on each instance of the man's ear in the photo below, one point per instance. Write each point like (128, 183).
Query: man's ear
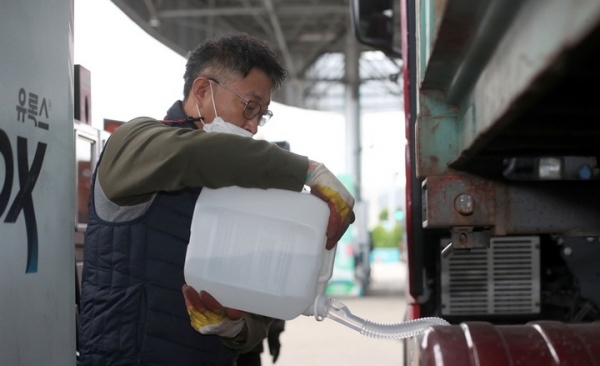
(200, 89)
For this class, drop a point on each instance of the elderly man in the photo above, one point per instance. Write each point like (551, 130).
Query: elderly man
(133, 309)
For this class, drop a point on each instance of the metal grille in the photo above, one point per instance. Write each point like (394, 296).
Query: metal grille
(504, 279)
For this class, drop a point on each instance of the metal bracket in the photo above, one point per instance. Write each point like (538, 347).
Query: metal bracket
(569, 208)
(464, 238)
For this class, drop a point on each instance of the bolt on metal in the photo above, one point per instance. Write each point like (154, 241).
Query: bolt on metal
(464, 204)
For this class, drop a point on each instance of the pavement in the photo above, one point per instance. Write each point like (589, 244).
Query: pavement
(308, 342)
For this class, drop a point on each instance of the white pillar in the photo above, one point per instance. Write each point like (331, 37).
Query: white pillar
(352, 106)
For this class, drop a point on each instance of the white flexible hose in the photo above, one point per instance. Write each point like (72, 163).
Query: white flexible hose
(336, 310)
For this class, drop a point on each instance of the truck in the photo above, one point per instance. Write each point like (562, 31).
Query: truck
(502, 194)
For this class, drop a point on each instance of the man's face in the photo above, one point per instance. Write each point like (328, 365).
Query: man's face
(240, 99)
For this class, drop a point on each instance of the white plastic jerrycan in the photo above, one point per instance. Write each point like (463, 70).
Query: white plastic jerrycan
(260, 251)
(263, 252)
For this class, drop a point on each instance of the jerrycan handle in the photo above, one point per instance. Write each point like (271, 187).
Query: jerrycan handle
(324, 276)
(327, 267)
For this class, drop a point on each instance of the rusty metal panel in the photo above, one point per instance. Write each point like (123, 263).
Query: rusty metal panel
(558, 207)
(436, 135)
(552, 207)
(444, 201)
(540, 34)
(467, 33)
(484, 344)
(492, 60)
(430, 14)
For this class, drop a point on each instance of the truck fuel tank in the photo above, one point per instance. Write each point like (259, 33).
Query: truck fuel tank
(485, 344)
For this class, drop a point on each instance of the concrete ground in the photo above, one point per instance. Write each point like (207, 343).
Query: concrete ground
(307, 342)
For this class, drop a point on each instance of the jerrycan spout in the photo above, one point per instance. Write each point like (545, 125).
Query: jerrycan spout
(336, 310)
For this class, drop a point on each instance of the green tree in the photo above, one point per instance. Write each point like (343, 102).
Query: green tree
(386, 238)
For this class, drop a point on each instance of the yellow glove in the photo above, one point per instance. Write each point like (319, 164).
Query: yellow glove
(207, 316)
(327, 187)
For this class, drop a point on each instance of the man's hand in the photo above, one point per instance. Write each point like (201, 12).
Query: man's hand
(327, 187)
(208, 316)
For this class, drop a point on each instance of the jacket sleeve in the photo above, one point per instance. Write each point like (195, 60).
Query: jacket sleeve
(144, 156)
(258, 328)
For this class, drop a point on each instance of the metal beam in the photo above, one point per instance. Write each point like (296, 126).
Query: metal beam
(289, 62)
(511, 207)
(352, 107)
(234, 11)
(516, 69)
(153, 21)
(505, 84)
(257, 17)
(319, 49)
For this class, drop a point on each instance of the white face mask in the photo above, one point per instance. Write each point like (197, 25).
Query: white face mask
(219, 125)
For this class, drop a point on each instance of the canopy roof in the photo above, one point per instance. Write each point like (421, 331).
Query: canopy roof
(310, 36)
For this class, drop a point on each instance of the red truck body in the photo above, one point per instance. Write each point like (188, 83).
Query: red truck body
(502, 198)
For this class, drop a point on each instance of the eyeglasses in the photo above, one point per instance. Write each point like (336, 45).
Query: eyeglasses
(252, 108)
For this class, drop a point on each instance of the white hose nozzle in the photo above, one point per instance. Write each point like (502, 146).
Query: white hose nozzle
(336, 310)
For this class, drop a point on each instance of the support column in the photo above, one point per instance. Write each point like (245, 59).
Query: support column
(352, 112)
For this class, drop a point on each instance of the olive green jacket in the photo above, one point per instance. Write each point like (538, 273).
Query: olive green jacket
(144, 157)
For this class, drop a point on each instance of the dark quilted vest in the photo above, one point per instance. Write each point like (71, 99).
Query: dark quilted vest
(132, 309)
